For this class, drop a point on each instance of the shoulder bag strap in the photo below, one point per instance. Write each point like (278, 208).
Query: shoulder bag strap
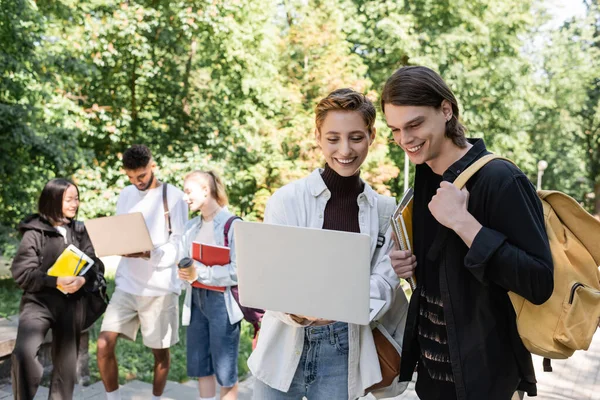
(166, 208)
(385, 209)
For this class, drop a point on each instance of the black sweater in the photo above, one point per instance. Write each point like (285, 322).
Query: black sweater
(341, 211)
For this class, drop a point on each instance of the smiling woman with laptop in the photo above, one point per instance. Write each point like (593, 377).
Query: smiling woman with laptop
(299, 355)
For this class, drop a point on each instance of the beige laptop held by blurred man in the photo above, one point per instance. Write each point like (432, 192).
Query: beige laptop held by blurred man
(312, 272)
(119, 235)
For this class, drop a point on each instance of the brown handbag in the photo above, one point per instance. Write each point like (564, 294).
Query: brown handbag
(388, 351)
(389, 359)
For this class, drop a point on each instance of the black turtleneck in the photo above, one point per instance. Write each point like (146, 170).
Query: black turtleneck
(341, 211)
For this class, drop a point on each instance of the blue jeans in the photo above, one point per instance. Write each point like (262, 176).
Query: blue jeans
(212, 342)
(322, 372)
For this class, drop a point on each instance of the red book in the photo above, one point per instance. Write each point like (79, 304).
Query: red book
(210, 255)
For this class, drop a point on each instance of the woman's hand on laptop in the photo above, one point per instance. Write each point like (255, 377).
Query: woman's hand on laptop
(403, 262)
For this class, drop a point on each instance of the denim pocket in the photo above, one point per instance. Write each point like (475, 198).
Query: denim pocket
(341, 341)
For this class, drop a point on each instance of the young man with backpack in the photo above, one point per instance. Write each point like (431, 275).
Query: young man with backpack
(472, 247)
(147, 291)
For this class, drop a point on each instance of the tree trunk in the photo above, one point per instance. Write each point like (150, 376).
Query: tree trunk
(134, 111)
(597, 198)
(186, 79)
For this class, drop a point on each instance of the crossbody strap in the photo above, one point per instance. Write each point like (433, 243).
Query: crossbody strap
(166, 208)
(385, 209)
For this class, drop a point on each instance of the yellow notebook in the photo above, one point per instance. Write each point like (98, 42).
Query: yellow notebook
(72, 262)
(402, 226)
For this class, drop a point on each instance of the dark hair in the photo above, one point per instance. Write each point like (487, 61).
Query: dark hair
(346, 100)
(137, 156)
(421, 86)
(50, 204)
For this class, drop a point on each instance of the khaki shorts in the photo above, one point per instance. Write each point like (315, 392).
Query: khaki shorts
(158, 317)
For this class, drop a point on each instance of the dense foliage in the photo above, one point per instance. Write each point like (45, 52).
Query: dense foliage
(231, 85)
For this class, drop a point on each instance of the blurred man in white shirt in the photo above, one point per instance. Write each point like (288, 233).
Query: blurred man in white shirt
(147, 288)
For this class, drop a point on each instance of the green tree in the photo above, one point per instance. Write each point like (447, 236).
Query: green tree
(317, 58)
(196, 81)
(567, 129)
(477, 48)
(231, 86)
(239, 83)
(39, 123)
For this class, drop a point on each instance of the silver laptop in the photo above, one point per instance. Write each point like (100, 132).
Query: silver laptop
(312, 272)
(119, 234)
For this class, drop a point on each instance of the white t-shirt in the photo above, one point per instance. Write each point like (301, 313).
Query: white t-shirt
(158, 275)
(206, 234)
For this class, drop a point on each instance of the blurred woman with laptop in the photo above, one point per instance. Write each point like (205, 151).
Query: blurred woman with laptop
(51, 302)
(299, 356)
(213, 334)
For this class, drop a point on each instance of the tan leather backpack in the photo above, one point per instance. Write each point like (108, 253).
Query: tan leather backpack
(568, 320)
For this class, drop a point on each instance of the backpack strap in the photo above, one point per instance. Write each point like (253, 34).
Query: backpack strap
(547, 364)
(78, 227)
(227, 227)
(255, 324)
(462, 179)
(166, 208)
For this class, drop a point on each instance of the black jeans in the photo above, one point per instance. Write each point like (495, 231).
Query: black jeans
(64, 316)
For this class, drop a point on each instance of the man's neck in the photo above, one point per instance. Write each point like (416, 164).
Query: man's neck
(448, 156)
(155, 183)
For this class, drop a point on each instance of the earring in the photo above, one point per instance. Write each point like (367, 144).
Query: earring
(449, 117)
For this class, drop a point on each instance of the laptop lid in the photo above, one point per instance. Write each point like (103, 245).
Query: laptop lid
(304, 271)
(119, 234)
